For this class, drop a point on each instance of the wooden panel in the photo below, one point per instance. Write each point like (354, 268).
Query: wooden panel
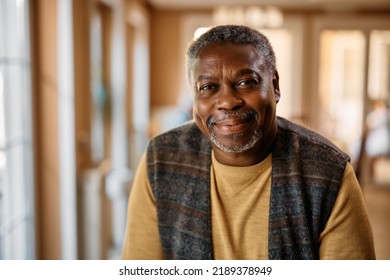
(82, 84)
(45, 82)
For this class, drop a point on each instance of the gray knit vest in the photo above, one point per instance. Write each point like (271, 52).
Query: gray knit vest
(306, 176)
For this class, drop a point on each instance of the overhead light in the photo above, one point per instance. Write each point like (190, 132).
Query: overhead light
(274, 17)
(255, 16)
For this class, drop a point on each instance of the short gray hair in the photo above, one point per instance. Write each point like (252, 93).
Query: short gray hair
(237, 34)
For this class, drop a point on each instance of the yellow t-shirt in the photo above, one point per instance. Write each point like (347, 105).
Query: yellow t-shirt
(239, 216)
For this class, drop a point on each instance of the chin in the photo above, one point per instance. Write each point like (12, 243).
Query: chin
(234, 145)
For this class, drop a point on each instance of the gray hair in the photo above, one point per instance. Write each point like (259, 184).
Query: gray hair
(237, 34)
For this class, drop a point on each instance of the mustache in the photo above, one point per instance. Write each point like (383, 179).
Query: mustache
(238, 114)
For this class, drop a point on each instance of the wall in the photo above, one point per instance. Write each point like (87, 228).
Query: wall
(165, 75)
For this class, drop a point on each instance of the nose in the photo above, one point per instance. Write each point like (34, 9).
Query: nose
(229, 99)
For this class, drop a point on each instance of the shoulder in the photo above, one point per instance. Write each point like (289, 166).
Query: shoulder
(187, 128)
(186, 136)
(306, 142)
(181, 143)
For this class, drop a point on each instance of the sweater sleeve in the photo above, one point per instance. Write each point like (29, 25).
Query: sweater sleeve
(142, 240)
(348, 233)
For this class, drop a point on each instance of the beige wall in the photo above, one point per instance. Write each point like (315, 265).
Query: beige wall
(165, 76)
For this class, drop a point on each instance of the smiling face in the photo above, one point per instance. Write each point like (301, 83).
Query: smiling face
(235, 102)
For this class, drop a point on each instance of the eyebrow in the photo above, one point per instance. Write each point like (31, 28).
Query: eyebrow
(238, 74)
(207, 78)
(246, 71)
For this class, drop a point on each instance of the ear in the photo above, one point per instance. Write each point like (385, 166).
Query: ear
(275, 83)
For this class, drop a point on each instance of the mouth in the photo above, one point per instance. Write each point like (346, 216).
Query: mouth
(234, 132)
(234, 124)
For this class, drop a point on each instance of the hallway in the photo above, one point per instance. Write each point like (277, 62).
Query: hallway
(378, 205)
(377, 195)
(84, 85)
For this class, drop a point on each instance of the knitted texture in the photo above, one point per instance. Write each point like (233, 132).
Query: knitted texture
(306, 175)
(179, 174)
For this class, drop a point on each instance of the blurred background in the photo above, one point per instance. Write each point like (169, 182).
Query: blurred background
(84, 85)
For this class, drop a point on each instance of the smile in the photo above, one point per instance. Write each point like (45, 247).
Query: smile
(233, 126)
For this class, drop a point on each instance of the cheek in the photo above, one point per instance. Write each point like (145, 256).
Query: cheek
(264, 104)
(201, 113)
(202, 110)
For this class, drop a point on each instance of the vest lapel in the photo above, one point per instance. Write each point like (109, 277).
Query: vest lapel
(306, 176)
(179, 173)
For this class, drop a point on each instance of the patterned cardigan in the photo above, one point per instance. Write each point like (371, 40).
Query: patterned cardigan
(306, 176)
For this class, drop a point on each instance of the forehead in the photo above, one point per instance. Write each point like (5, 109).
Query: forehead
(228, 56)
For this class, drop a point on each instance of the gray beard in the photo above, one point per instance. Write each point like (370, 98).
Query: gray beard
(236, 147)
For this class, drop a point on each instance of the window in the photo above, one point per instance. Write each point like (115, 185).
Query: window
(17, 238)
(354, 67)
(379, 65)
(341, 85)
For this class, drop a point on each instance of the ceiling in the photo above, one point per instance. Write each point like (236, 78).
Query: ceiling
(370, 5)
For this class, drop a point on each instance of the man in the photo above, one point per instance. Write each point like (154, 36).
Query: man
(238, 182)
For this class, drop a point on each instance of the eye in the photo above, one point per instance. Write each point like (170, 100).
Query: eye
(247, 84)
(208, 89)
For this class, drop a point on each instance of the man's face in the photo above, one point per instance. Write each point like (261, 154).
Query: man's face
(235, 97)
